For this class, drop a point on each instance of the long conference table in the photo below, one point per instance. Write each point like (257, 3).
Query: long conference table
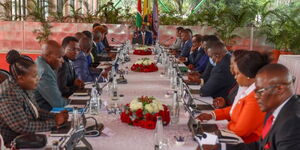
(122, 136)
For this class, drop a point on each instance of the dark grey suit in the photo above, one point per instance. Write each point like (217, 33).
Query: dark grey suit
(220, 80)
(65, 78)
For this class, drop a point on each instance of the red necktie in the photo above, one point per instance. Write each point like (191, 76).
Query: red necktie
(267, 126)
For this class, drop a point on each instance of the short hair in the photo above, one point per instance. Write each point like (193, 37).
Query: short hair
(250, 62)
(88, 34)
(79, 35)
(198, 37)
(96, 24)
(101, 29)
(207, 38)
(190, 31)
(217, 46)
(179, 28)
(67, 40)
(18, 64)
(86, 43)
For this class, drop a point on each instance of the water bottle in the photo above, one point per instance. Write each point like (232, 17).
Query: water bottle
(158, 134)
(75, 119)
(94, 102)
(55, 145)
(175, 109)
(180, 88)
(114, 89)
(174, 78)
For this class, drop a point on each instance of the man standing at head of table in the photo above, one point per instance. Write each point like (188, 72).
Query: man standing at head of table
(142, 36)
(47, 93)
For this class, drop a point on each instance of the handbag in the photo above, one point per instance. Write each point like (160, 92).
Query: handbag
(29, 141)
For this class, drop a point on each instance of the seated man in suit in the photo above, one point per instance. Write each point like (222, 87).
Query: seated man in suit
(142, 37)
(186, 37)
(177, 44)
(81, 65)
(275, 95)
(67, 80)
(207, 41)
(221, 80)
(198, 59)
(47, 93)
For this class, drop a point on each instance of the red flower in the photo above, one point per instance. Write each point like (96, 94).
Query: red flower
(139, 113)
(150, 125)
(148, 116)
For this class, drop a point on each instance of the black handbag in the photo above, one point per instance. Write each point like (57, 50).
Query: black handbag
(29, 141)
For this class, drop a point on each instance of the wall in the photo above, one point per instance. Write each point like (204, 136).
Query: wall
(19, 35)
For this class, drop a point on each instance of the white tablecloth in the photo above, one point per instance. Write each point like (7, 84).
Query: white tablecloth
(292, 62)
(135, 138)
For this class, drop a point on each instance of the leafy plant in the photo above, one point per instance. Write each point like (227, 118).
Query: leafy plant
(282, 27)
(58, 15)
(75, 14)
(38, 13)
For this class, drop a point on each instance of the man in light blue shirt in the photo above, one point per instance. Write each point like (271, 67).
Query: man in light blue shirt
(47, 93)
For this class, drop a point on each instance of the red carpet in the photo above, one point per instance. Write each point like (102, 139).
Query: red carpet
(4, 65)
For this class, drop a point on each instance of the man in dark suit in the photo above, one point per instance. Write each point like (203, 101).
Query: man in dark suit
(67, 80)
(221, 80)
(275, 96)
(142, 37)
(185, 49)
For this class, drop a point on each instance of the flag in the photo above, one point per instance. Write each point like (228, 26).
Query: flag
(155, 18)
(138, 18)
(146, 12)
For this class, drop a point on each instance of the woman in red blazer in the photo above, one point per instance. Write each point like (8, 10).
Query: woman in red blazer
(244, 116)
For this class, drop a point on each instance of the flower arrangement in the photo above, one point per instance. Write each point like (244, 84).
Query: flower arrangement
(144, 65)
(143, 112)
(142, 51)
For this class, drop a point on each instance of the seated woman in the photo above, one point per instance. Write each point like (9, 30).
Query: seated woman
(19, 112)
(244, 116)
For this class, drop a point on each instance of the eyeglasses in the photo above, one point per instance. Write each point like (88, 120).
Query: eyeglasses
(259, 92)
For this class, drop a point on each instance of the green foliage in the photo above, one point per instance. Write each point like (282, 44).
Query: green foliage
(7, 8)
(37, 12)
(282, 27)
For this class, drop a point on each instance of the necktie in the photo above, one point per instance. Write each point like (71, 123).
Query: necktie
(267, 126)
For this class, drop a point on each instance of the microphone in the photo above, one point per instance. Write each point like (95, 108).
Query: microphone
(114, 40)
(170, 38)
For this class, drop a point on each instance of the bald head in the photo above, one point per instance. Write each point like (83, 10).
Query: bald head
(273, 86)
(86, 45)
(275, 74)
(52, 52)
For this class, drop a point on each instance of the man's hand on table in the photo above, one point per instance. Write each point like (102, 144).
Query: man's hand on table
(194, 77)
(182, 59)
(79, 83)
(219, 102)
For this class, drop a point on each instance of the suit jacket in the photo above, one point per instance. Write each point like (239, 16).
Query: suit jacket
(220, 81)
(186, 48)
(66, 77)
(105, 42)
(206, 73)
(81, 68)
(138, 38)
(18, 115)
(285, 131)
(202, 61)
(246, 119)
(47, 93)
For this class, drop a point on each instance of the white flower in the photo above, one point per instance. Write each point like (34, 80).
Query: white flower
(135, 105)
(149, 108)
(139, 62)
